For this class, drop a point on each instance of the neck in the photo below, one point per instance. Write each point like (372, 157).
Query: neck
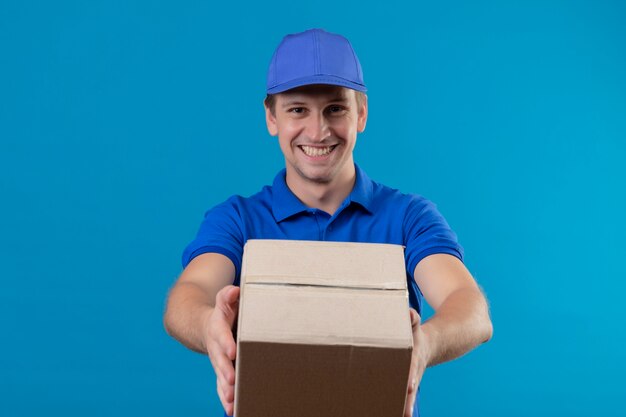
(324, 196)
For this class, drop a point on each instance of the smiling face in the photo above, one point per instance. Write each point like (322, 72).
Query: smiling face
(317, 127)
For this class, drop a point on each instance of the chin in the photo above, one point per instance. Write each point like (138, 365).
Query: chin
(316, 176)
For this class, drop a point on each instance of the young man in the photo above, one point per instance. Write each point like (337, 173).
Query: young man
(316, 105)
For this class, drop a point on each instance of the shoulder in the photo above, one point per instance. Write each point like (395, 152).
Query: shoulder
(236, 204)
(388, 196)
(415, 211)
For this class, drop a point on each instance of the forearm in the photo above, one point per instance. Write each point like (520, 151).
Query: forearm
(187, 312)
(460, 324)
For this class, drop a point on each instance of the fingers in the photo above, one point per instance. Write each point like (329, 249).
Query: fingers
(222, 347)
(220, 326)
(226, 393)
(223, 367)
(408, 408)
(233, 294)
(227, 404)
(227, 303)
(415, 318)
(228, 390)
(227, 341)
(410, 397)
(412, 386)
(228, 296)
(411, 389)
(222, 351)
(222, 336)
(412, 383)
(225, 372)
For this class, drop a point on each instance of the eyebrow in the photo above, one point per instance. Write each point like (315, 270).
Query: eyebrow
(296, 102)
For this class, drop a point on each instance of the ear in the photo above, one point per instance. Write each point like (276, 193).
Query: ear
(270, 120)
(362, 118)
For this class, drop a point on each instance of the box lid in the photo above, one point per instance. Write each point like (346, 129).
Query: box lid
(333, 264)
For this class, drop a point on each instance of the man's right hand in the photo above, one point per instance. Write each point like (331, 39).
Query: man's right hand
(220, 343)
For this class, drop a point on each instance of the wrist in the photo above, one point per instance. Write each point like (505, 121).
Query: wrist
(426, 348)
(205, 326)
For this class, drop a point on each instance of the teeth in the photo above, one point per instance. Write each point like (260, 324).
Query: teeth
(311, 151)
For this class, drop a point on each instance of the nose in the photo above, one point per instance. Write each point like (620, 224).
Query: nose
(317, 127)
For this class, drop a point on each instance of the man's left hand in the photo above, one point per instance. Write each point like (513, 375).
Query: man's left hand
(418, 363)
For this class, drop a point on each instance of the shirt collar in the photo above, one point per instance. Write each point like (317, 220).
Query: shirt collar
(286, 204)
(363, 191)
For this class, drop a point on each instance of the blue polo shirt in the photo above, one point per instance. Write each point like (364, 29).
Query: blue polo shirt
(371, 213)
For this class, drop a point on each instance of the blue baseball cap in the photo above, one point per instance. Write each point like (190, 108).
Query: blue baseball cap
(314, 57)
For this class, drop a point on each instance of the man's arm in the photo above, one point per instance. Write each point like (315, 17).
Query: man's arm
(201, 311)
(461, 320)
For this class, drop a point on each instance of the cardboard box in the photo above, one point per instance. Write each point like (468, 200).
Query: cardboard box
(323, 330)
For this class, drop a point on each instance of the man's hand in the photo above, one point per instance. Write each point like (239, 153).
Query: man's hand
(418, 363)
(460, 323)
(201, 311)
(221, 345)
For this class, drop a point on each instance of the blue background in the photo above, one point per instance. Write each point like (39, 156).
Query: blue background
(121, 122)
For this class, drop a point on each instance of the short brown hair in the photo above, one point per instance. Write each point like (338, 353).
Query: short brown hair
(270, 101)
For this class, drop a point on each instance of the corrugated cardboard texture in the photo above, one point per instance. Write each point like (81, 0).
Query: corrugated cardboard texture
(281, 380)
(323, 330)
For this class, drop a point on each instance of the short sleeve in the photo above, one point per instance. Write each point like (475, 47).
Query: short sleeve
(426, 232)
(220, 232)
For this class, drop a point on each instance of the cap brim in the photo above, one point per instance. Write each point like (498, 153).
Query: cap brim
(316, 79)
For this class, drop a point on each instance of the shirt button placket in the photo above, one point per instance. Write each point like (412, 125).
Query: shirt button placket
(319, 227)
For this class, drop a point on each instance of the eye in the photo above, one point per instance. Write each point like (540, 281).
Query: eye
(336, 109)
(297, 110)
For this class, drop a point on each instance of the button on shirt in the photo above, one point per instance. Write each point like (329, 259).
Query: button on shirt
(371, 213)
